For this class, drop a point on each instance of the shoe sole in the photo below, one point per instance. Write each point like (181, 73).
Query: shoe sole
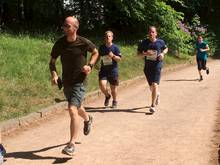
(151, 111)
(67, 153)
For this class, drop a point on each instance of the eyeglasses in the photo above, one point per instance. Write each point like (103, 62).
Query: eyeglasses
(68, 26)
(65, 25)
(151, 31)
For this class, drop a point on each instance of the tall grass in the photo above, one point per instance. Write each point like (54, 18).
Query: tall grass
(25, 79)
(24, 75)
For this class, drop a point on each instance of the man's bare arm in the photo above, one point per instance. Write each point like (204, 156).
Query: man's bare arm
(94, 57)
(53, 71)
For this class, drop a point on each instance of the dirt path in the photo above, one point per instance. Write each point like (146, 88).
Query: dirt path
(179, 133)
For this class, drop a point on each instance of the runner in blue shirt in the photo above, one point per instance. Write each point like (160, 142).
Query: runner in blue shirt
(153, 50)
(201, 56)
(110, 55)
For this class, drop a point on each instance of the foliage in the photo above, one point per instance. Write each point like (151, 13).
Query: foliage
(90, 13)
(209, 36)
(122, 16)
(166, 18)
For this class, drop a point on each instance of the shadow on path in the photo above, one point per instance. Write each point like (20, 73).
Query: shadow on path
(109, 109)
(31, 155)
(183, 80)
(58, 100)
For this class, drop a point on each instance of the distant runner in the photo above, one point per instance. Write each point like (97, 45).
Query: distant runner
(201, 56)
(110, 55)
(153, 51)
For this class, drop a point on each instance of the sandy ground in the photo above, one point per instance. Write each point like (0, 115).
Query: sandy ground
(181, 132)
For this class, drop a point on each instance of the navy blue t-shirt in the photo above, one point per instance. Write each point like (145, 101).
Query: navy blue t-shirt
(155, 48)
(108, 65)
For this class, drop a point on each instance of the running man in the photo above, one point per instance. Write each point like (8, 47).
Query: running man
(72, 50)
(110, 55)
(201, 56)
(153, 50)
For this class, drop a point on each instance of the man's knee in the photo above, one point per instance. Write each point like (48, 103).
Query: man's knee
(73, 112)
(154, 85)
(81, 108)
(113, 88)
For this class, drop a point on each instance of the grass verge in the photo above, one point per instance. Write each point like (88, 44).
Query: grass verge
(25, 79)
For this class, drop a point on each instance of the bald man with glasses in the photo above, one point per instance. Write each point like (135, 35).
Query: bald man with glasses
(72, 50)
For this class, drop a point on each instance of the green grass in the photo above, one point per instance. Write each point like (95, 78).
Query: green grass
(25, 79)
(24, 75)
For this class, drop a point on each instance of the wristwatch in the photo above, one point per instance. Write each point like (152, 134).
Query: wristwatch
(91, 65)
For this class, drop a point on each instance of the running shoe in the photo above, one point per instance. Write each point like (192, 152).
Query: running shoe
(152, 109)
(207, 70)
(87, 126)
(201, 78)
(2, 150)
(69, 149)
(107, 98)
(114, 104)
(2, 153)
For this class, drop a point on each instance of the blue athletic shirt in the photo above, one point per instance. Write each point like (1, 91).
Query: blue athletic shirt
(108, 65)
(156, 48)
(201, 55)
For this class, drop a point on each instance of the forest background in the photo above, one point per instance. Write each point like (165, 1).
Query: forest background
(29, 28)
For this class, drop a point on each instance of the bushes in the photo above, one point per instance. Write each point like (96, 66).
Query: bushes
(167, 19)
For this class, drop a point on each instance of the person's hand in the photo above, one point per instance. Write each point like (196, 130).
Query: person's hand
(161, 56)
(86, 69)
(54, 80)
(145, 53)
(148, 53)
(110, 54)
(202, 50)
